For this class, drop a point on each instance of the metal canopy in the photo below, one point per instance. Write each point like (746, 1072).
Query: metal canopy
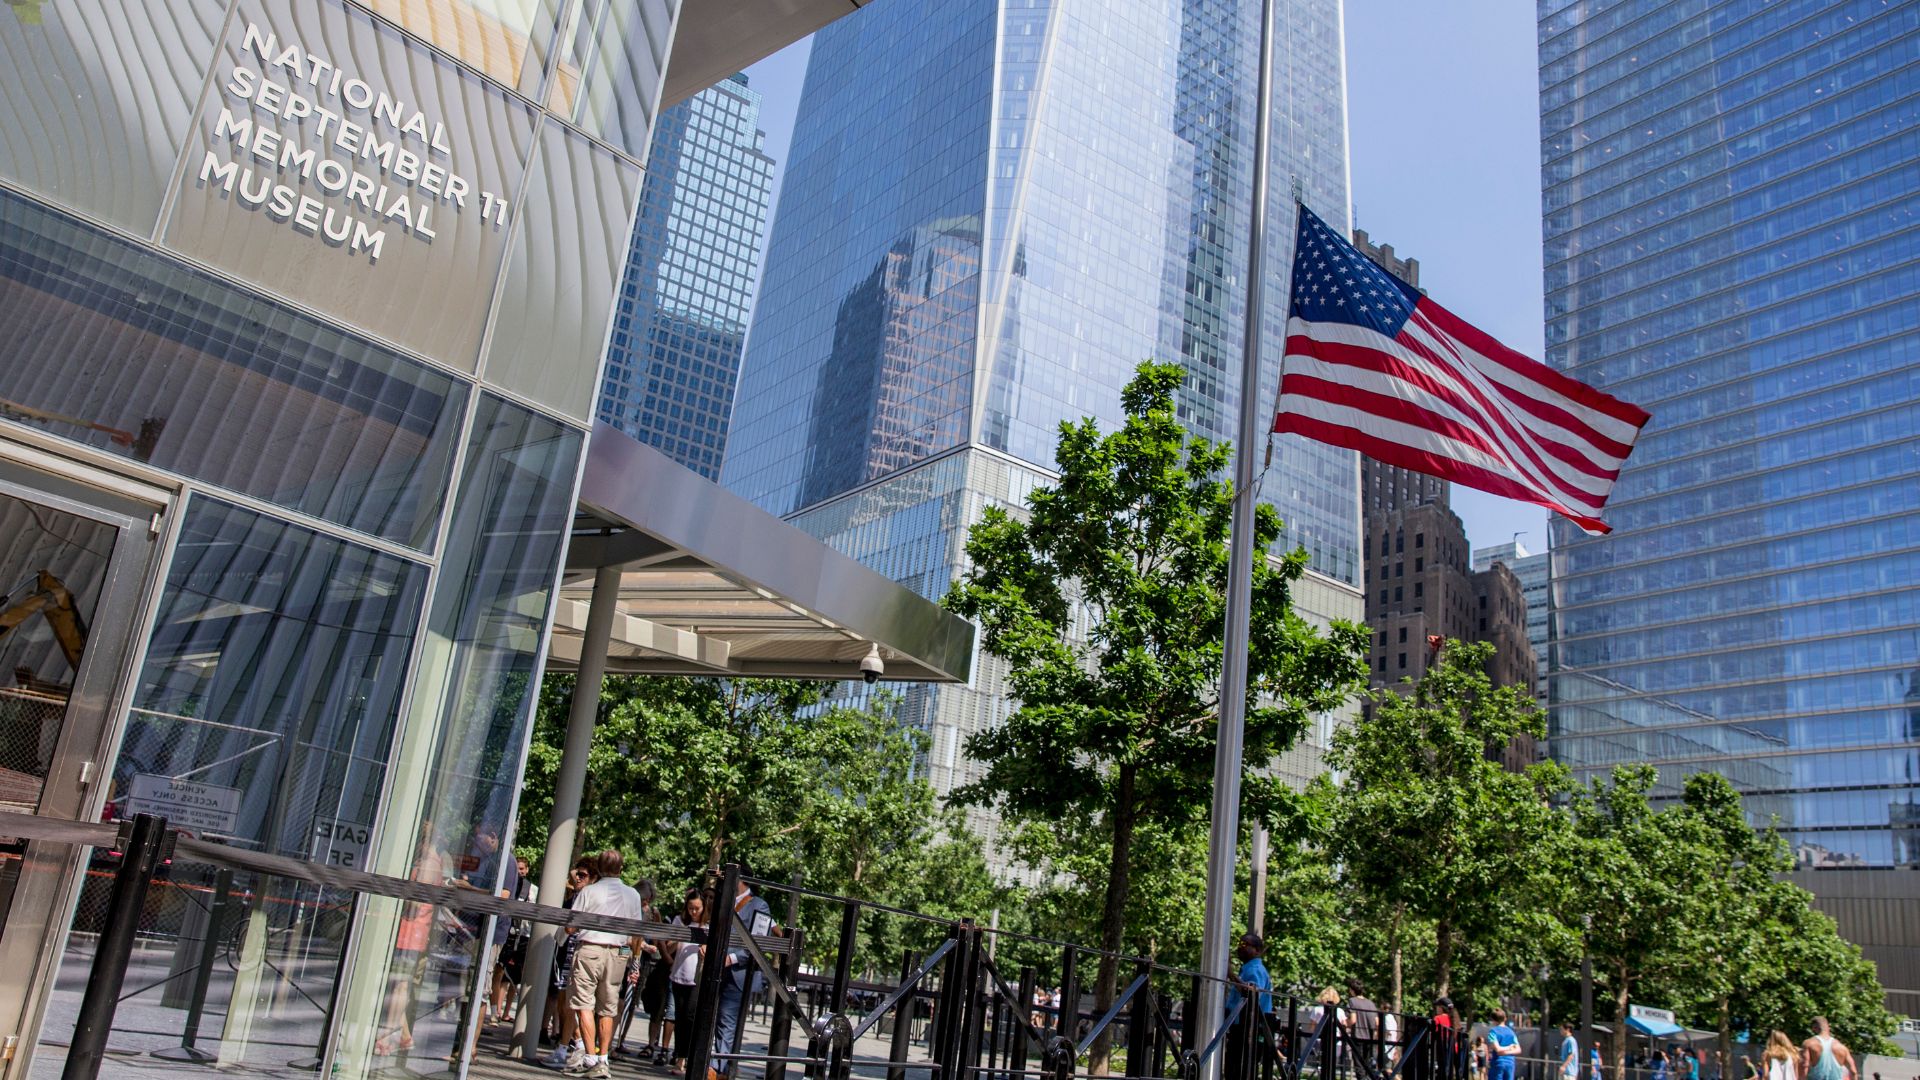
(712, 585)
(715, 38)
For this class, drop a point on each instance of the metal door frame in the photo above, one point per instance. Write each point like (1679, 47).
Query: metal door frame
(34, 938)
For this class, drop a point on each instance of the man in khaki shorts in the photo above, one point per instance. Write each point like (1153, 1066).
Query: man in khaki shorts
(600, 965)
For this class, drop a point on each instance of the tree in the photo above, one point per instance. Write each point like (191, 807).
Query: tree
(1107, 601)
(685, 774)
(1777, 962)
(1430, 827)
(1633, 873)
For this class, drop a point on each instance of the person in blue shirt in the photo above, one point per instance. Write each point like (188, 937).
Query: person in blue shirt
(1252, 979)
(1569, 1053)
(1593, 1062)
(1503, 1047)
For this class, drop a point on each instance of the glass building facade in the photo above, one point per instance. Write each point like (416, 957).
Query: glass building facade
(1730, 191)
(682, 317)
(302, 313)
(992, 213)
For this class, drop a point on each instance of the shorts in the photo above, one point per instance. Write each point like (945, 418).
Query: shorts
(599, 973)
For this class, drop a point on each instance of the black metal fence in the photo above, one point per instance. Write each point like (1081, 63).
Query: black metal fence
(957, 1004)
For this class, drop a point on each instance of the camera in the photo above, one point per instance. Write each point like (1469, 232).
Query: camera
(871, 667)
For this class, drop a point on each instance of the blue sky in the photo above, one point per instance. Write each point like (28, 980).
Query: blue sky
(1442, 104)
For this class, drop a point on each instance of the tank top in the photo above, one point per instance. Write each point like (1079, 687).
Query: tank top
(1828, 1067)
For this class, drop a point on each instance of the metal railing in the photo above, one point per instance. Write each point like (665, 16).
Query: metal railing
(962, 1003)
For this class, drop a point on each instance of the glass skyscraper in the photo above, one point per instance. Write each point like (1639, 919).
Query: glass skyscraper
(684, 301)
(1731, 189)
(993, 212)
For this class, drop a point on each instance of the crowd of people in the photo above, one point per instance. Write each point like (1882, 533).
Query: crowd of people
(1364, 1028)
(601, 980)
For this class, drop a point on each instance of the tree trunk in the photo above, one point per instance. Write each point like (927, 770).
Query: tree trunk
(1443, 957)
(1726, 1037)
(1393, 946)
(1113, 920)
(1621, 993)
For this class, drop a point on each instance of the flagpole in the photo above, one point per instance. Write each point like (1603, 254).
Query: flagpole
(1222, 846)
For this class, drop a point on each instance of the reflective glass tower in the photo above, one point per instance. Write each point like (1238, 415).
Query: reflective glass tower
(1730, 196)
(993, 212)
(684, 300)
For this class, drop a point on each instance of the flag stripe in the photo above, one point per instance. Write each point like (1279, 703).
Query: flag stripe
(1532, 435)
(1400, 421)
(1441, 465)
(1558, 382)
(1596, 429)
(1428, 372)
(1384, 395)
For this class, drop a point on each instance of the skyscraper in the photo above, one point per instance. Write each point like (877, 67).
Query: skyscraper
(686, 293)
(1730, 197)
(993, 212)
(1532, 571)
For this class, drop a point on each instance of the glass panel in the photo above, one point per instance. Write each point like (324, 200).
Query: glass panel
(338, 162)
(98, 96)
(107, 343)
(505, 39)
(458, 758)
(231, 968)
(622, 48)
(567, 255)
(53, 567)
(271, 685)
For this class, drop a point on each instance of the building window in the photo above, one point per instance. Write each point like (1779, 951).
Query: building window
(1419, 588)
(1399, 569)
(1399, 542)
(1403, 661)
(1483, 626)
(1419, 564)
(1396, 594)
(1403, 636)
(1419, 540)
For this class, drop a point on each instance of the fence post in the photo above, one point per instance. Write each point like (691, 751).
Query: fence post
(1140, 1023)
(780, 1034)
(1067, 1019)
(140, 846)
(1329, 1042)
(902, 1042)
(706, 1009)
(1017, 1037)
(949, 1009)
(977, 999)
(843, 959)
(1191, 1037)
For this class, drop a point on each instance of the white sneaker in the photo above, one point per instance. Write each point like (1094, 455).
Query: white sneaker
(585, 1064)
(557, 1057)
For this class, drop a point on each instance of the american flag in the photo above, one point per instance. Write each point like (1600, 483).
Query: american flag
(1374, 366)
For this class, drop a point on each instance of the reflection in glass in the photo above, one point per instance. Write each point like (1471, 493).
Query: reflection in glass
(507, 40)
(455, 766)
(98, 97)
(231, 968)
(551, 330)
(609, 81)
(110, 344)
(273, 679)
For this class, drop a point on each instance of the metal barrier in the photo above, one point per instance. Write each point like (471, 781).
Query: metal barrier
(972, 1016)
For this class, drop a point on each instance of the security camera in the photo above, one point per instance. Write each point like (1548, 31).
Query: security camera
(871, 667)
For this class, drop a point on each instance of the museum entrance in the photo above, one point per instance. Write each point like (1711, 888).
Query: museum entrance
(75, 564)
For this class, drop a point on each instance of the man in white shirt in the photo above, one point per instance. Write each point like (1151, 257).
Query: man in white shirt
(600, 964)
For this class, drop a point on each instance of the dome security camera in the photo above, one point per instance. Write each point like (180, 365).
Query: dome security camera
(871, 666)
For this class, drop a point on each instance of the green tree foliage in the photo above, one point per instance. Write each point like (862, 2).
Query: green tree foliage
(1688, 906)
(1107, 601)
(686, 774)
(1436, 834)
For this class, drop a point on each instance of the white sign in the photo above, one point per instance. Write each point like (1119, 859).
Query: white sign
(1649, 1014)
(198, 808)
(378, 162)
(341, 843)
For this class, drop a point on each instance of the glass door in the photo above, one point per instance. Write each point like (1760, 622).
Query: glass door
(74, 564)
